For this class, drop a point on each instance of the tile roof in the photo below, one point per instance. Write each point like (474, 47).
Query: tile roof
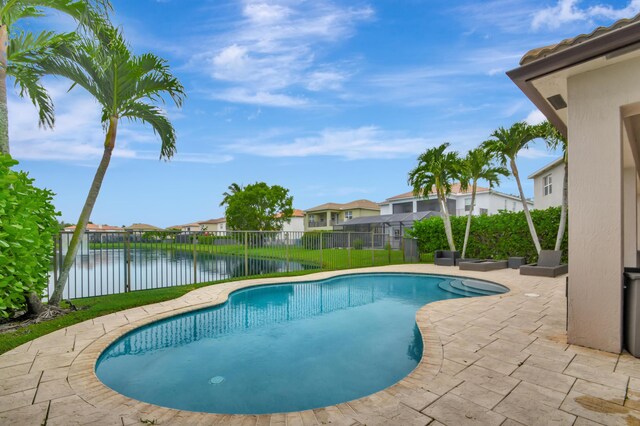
(296, 213)
(542, 52)
(143, 227)
(92, 227)
(357, 204)
(213, 221)
(455, 189)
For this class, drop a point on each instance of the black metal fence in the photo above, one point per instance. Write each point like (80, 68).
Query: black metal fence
(119, 262)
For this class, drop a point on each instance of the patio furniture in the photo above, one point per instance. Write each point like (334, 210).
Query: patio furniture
(548, 265)
(446, 258)
(517, 262)
(483, 265)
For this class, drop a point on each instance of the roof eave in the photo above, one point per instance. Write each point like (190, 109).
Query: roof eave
(569, 57)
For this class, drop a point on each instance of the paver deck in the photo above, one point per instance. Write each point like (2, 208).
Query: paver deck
(498, 360)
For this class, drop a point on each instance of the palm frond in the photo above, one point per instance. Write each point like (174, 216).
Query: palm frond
(27, 79)
(154, 116)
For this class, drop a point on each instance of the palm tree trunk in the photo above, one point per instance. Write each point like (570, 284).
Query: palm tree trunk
(4, 113)
(447, 222)
(70, 258)
(527, 214)
(565, 205)
(466, 232)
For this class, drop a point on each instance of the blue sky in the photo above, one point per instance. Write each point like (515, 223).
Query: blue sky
(331, 99)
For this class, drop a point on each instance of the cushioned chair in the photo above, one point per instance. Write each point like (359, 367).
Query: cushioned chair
(446, 257)
(548, 265)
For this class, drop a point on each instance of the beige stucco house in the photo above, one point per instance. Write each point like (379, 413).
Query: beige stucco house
(547, 185)
(324, 217)
(213, 225)
(589, 88)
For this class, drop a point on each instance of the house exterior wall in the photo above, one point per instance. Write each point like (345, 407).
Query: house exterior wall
(491, 201)
(296, 225)
(325, 216)
(541, 201)
(596, 233)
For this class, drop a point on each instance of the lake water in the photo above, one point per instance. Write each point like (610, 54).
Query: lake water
(102, 272)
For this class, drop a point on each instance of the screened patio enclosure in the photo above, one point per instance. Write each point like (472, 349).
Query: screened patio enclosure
(393, 225)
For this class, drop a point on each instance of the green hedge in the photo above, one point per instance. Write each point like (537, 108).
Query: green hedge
(27, 226)
(497, 236)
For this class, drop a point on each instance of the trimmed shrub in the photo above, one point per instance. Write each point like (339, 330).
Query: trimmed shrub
(27, 227)
(497, 236)
(358, 244)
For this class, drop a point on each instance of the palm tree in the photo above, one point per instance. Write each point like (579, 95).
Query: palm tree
(555, 140)
(436, 170)
(20, 52)
(234, 188)
(125, 86)
(478, 164)
(505, 145)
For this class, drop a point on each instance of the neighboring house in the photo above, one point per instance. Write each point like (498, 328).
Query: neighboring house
(297, 222)
(142, 227)
(488, 201)
(96, 228)
(214, 225)
(547, 185)
(587, 86)
(324, 217)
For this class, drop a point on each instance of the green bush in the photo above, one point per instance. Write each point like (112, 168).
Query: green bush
(358, 244)
(497, 236)
(27, 227)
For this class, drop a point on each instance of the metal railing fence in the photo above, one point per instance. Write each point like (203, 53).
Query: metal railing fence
(120, 262)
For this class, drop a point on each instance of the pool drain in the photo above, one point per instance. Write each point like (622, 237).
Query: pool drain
(216, 380)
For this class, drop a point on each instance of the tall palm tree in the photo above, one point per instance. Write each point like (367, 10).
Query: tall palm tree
(436, 170)
(505, 145)
(20, 52)
(234, 188)
(555, 140)
(125, 86)
(477, 165)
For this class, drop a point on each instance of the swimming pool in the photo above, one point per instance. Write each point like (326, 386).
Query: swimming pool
(284, 347)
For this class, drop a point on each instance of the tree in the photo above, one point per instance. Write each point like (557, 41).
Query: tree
(21, 52)
(234, 188)
(555, 140)
(478, 164)
(126, 86)
(258, 207)
(505, 145)
(436, 171)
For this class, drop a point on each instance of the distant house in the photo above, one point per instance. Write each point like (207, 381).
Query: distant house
(547, 185)
(328, 215)
(187, 227)
(296, 224)
(488, 201)
(142, 227)
(213, 225)
(91, 227)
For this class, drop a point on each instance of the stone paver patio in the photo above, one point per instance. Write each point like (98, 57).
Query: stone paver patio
(499, 360)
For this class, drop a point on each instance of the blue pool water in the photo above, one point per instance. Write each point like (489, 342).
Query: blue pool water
(285, 347)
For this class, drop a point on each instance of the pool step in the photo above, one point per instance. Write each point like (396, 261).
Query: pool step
(466, 288)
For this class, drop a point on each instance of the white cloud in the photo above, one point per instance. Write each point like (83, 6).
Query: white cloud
(78, 135)
(569, 11)
(535, 117)
(534, 154)
(352, 144)
(276, 46)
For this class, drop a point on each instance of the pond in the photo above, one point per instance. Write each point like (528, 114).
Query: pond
(105, 271)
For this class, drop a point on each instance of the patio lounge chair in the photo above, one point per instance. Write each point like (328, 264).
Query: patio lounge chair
(482, 265)
(446, 258)
(548, 265)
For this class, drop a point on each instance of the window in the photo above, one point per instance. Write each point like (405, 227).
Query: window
(548, 185)
(348, 215)
(484, 211)
(467, 204)
(514, 206)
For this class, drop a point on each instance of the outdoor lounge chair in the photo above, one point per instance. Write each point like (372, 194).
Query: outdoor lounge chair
(446, 258)
(548, 265)
(482, 265)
